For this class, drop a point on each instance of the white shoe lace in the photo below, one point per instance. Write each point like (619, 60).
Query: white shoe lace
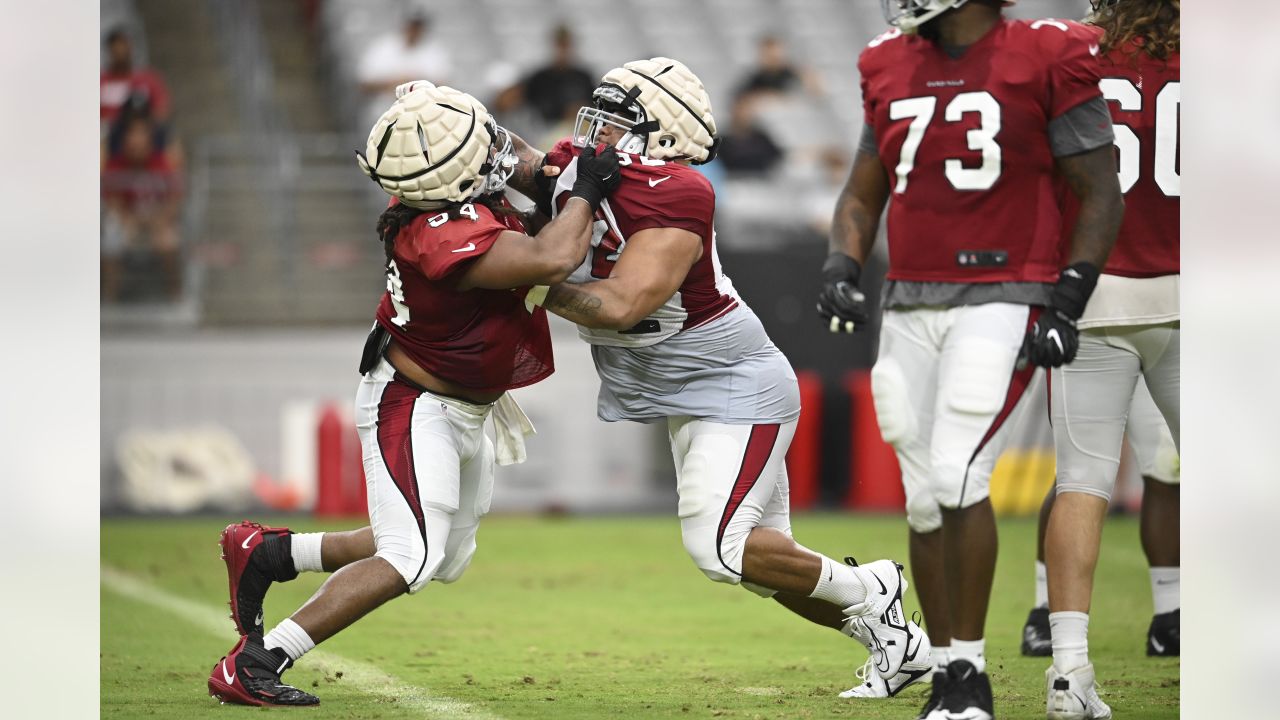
(866, 672)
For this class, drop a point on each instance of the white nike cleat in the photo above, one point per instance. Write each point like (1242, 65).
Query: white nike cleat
(916, 667)
(878, 622)
(1074, 696)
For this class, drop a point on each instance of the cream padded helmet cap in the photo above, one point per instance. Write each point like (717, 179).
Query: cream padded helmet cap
(428, 148)
(673, 97)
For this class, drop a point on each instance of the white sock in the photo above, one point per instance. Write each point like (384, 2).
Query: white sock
(839, 584)
(1165, 583)
(941, 657)
(1070, 640)
(1042, 585)
(305, 548)
(971, 650)
(290, 637)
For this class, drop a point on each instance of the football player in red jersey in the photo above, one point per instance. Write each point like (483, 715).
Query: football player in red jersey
(1129, 333)
(972, 125)
(451, 338)
(674, 343)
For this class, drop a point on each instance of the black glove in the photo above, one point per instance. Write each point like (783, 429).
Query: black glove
(841, 304)
(598, 175)
(1052, 341)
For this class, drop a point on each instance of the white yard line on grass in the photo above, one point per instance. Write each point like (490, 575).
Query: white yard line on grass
(364, 677)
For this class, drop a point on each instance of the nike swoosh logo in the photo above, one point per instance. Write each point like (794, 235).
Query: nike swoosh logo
(655, 183)
(229, 677)
(911, 654)
(258, 620)
(468, 248)
(912, 676)
(1156, 644)
(883, 590)
(245, 544)
(1057, 340)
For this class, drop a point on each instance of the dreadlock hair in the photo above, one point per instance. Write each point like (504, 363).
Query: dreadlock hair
(1152, 26)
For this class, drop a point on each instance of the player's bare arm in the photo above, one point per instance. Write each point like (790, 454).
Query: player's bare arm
(857, 214)
(531, 164)
(1052, 341)
(1092, 177)
(853, 232)
(646, 275)
(517, 260)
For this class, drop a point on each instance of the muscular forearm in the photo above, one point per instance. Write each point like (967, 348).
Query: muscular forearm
(568, 237)
(591, 305)
(1092, 177)
(853, 229)
(857, 215)
(522, 180)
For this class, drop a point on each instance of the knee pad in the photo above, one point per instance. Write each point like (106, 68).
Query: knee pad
(457, 564)
(924, 515)
(889, 393)
(415, 563)
(760, 590)
(723, 564)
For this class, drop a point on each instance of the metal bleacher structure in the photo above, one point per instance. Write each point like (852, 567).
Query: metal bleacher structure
(278, 219)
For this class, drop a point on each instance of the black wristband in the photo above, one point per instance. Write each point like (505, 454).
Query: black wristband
(589, 192)
(1075, 285)
(841, 267)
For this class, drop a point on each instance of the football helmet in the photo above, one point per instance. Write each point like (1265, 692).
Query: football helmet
(437, 145)
(909, 15)
(660, 104)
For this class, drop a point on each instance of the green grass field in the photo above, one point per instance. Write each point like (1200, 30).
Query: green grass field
(585, 618)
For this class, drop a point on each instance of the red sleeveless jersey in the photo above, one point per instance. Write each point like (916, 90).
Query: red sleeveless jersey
(965, 143)
(1145, 95)
(480, 339)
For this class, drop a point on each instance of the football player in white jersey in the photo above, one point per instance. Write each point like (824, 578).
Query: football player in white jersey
(673, 343)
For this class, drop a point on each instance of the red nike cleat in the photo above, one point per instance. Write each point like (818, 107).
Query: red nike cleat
(250, 570)
(250, 675)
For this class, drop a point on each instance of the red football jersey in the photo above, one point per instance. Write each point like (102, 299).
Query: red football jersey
(965, 143)
(116, 89)
(1145, 96)
(656, 194)
(140, 187)
(481, 339)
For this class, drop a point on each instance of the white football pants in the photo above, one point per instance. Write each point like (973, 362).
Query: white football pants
(428, 467)
(945, 386)
(1149, 436)
(731, 479)
(1089, 400)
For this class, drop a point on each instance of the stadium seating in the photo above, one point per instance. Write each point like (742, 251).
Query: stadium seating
(717, 38)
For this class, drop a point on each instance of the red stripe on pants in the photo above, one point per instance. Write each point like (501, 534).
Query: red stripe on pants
(1018, 383)
(395, 440)
(759, 448)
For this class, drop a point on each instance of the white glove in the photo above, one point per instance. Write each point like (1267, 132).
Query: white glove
(406, 88)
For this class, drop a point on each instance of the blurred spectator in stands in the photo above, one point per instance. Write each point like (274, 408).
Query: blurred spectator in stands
(401, 56)
(775, 74)
(138, 105)
(747, 148)
(141, 191)
(122, 80)
(820, 200)
(556, 91)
